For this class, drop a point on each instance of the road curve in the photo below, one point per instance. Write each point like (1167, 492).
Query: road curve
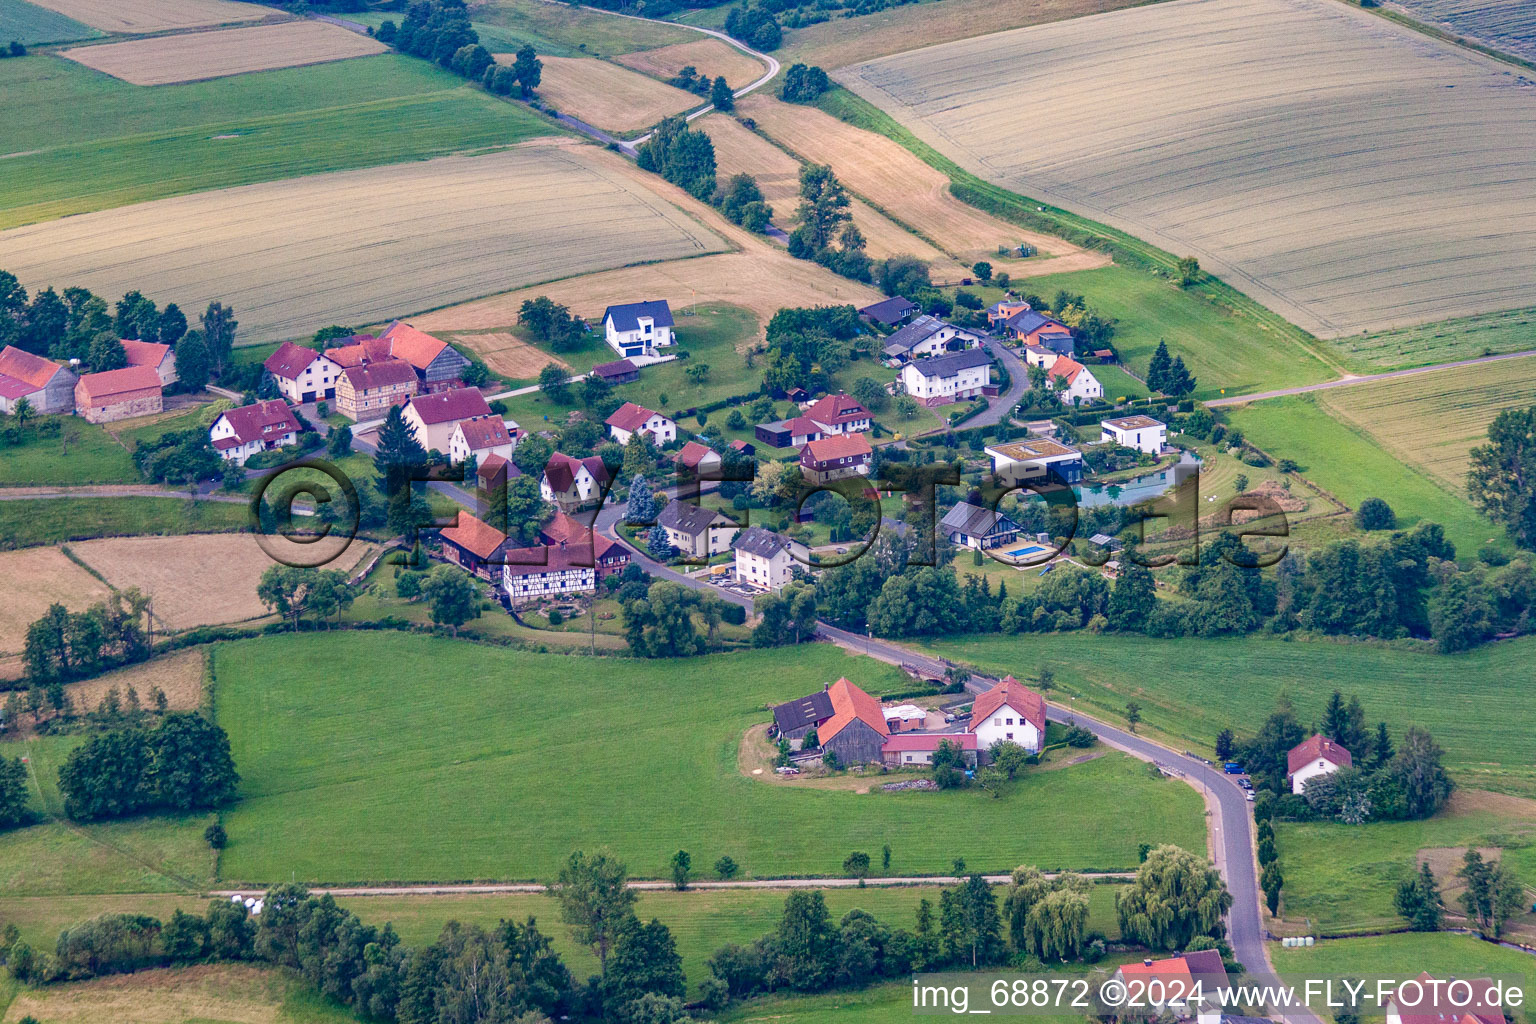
(1344, 382)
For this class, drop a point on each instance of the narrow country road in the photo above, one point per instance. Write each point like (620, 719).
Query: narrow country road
(1344, 382)
(1018, 383)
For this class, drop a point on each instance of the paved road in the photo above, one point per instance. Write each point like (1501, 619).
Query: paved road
(1018, 383)
(1344, 382)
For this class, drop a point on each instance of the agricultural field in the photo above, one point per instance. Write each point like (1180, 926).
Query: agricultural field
(142, 144)
(211, 992)
(563, 30)
(233, 51)
(1505, 25)
(135, 16)
(34, 521)
(708, 56)
(36, 578)
(1450, 340)
(418, 236)
(1433, 420)
(606, 95)
(31, 24)
(80, 453)
(1188, 694)
(1199, 141)
(371, 763)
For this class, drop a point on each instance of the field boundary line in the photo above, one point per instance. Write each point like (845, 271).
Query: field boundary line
(1349, 380)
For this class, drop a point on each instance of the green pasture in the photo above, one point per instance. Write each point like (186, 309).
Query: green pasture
(30, 24)
(54, 520)
(1512, 330)
(80, 453)
(557, 30)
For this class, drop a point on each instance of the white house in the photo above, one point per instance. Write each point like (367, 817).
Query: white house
(1035, 458)
(1143, 433)
(1317, 755)
(629, 419)
(573, 484)
(1009, 712)
(637, 330)
(1188, 987)
(434, 417)
(925, 337)
(482, 437)
(240, 433)
(839, 414)
(764, 559)
(528, 574)
(949, 378)
(1073, 381)
(302, 374)
(697, 531)
(973, 526)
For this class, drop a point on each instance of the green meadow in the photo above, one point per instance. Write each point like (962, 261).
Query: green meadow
(54, 520)
(1511, 330)
(80, 453)
(30, 24)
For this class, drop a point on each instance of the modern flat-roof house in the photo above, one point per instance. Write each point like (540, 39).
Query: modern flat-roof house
(48, 387)
(697, 531)
(790, 433)
(637, 331)
(629, 419)
(1143, 433)
(302, 374)
(482, 437)
(856, 732)
(888, 312)
(766, 560)
(368, 390)
(698, 459)
(435, 416)
(917, 748)
(972, 526)
(1035, 458)
(585, 544)
(1314, 756)
(118, 394)
(152, 354)
(925, 337)
(573, 484)
(531, 574)
(838, 414)
(238, 434)
(474, 546)
(620, 371)
(794, 718)
(1010, 712)
(835, 457)
(957, 376)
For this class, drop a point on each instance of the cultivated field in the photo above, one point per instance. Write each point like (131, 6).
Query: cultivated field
(36, 578)
(233, 51)
(417, 236)
(509, 354)
(1433, 420)
(1316, 157)
(565, 30)
(708, 56)
(1507, 25)
(214, 992)
(1512, 330)
(133, 16)
(30, 24)
(606, 95)
(179, 676)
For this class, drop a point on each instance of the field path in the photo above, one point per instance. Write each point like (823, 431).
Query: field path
(1344, 382)
(114, 491)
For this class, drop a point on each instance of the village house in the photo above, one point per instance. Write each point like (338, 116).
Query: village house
(941, 380)
(925, 337)
(118, 394)
(1073, 381)
(1425, 1000)
(1143, 433)
(585, 545)
(888, 312)
(48, 387)
(154, 355)
(790, 433)
(836, 457)
(434, 417)
(492, 474)
(1184, 977)
(637, 331)
(368, 390)
(1010, 712)
(1000, 313)
(482, 437)
(794, 719)
(698, 459)
(238, 434)
(473, 546)
(972, 526)
(1034, 459)
(1314, 756)
(1037, 330)
(696, 531)
(573, 484)
(620, 371)
(531, 574)
(436, 364)
(302, 374)
(856, 732)
(766, 560)
(913, 749)
(629, 419)
(838, 414)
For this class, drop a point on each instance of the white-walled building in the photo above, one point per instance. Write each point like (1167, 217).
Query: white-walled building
(1143, 433)
(434, 417)
(1073, 381)
(949, 378)
(1035, 458)
(240, 433)
(839, 414)
(924, 337)
(629, 419)
(573, 484)
(1317, 755)
(697, 531)
(638, 330)
(1009, 712)
(482, 437)
(764, 559)
(302, 374)
(528, 574)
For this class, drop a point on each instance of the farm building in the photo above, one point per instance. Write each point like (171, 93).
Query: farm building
(1010, 712)
(835, 457)
(795, 718)
(888, 312)
(435, 416)
(437, 364)
(905, 718)
(1143, 433)
(118, 394)
(366, 391)
(697, 459)
(925, 337)
(1034, 459)
(302, 374)
(1198, 972)
(941, 380)
(240, 433)
(856, 732)
(530, 574)
(629, 419)
(48, 387)
(1073, 381)
(838, 414)
(620, 371)
(790, 433)
(696, 531)
(766, 560)
(473, 546)
(972, 526)
(919, 748)
(574, 484)
(482, 437)
(587, 546)
(1314, 756)
(152, 354)
(637, 331)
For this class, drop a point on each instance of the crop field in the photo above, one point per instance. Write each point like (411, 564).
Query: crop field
(611, 97)
(233, 51)
(30, 24)
(557, 764)
(1507, 25)
(36, 578)
(508, 354)
(139, 144)
(566, 30)
(417, 236)
(209, 992)
(134, 16)
(708, 56)
(1433, 420)
(1488, 334)
(1315, 157)
(54, 520)
(1191, 689)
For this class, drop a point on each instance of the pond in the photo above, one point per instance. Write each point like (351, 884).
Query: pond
(1137, 488)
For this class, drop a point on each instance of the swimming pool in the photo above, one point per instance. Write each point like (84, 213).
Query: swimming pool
(1031, 549)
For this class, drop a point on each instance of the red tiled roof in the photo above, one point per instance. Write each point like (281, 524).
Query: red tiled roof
(14, 388)
(929, 740)
(1481, 1008)
(109, 384)
(493, 468)
(838, 446)
(360, 349)
(382, 374)
(450, 406)
(1314, 748)
(481, 432)
(692, 453)
(145, 353)
(416, 347)
(1065, 368)
(1204, 965)
(1015, 695)
(561, 470)
(263, 421)
(568, 531)
(837, 409)
(850, 704)
(531, 561)
(740, 446)
(479, 539)
(630, 417)
(24, 366)
(290, 360)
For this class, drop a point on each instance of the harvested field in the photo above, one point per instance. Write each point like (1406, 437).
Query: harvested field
(134, 16)
(234, 51)
(507, 354)
(179, 676)
(1347, 172)
(34, 579)
(708, 56)
(606, 95)
(1507, 25)
(216, 992)
(363, 246)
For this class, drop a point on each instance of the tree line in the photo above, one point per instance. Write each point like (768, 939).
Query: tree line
(440, 31)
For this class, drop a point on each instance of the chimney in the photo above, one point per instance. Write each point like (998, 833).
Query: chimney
(1147, 962)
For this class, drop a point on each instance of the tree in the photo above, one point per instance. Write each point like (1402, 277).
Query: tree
(720, 95)
(1416, 767)
(23, 411)
(397, 452)
(1382, 750)
(219, 325)
(451, 597)
(339, 442)
(681, 863)
(856, 865)
(14, 793)
(282, 588)
(107, 777)
(215, 836)
(1189, 271)
(681, 155)
(1157, 371)
(1272, 882)
(1132, 599)
(193, 363)
(1491, 895)
(644, 965)
(660, 625)
(824, 205)
(191, 767)
(1224, 745)
(552, 382)
(1375, 514)
(871, 394)
(806, 941)
(1010, 758)
(106, 353)
(1132, 714)
(803, 84)
(1418, 901)
(983, 271)
(527, 69)
(1502, 479)
(725, 868)
(970, 924)
(595, 900)
(45, 323)
(1177, 895)
(172, 326)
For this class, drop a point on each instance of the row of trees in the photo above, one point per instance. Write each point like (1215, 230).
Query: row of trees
(63, 645)
(440, 31)
(1168, 374)
(826, 232)
(1491, 895)
(182, 764)
(682, 155)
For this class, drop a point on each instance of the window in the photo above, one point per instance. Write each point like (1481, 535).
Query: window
(997, 721)
(1010, 735)
(1010, 721)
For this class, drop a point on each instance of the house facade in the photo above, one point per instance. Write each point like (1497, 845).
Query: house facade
(925, 337)
(790, 433)
(302, 374)
(697, 531)
(368, 390)
(972, 526)
(836, 457)
(1073, 381)
(1143, 433)
(573, 484)
(766, 560)
(630, 419)
(941, 380)
(698, 459)
(637, 331)
(48, 387)
(1314, 756)
(118, 394)
(482, 437)
(1193, 983)
(620, 371)
(585, 545)
(912, 750)
(435, 416)
(1032, 328)
(532, 574)
(158, 357)
(1035, 459)
(473, 546)
(839, 414)
(240, 433)
(1009, 712)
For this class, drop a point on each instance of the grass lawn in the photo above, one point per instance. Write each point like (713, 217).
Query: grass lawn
(1513, 330)
(1352, 466)
(879, 1004)
(80, 453)
(52, 520)
(1118, 384)
(1192, 688)
(147, 143)
(566, 754)
(30, 24)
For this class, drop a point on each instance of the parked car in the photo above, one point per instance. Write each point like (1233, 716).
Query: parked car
(1245, 784)
(1232, 768)
(788, 770)
(1251, 796)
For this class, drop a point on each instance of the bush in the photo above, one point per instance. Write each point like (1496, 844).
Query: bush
(1375, 514)
(215, 836)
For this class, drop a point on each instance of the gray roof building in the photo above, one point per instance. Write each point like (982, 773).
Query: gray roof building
(627, 317)
(952, 363)
(975, 521)
(755, 540)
